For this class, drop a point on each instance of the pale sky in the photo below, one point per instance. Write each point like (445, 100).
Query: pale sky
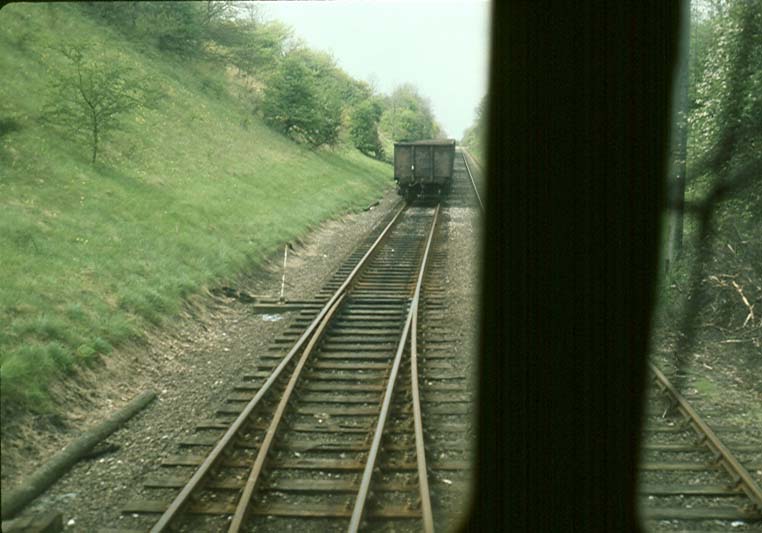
(440, 46)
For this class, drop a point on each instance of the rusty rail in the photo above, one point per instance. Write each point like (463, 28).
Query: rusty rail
(420, 450)
(362, 495)
(248, 491)
(709, 438)
(196, 481)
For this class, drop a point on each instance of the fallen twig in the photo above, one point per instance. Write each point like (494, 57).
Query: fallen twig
(750, 307)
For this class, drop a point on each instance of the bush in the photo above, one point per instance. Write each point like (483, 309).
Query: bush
(364, 128)
(297, 103)
(408, 116)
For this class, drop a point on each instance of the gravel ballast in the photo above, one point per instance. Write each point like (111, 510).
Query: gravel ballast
(191, 364)
(195, 364)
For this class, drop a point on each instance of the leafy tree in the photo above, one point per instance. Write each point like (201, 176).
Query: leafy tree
(351, 91)
(726, 120)
(364, 128)
(217, 10)
(122, 15)
(408, 116)
(94, 95)
(298, 101)
(721, 261)
(723, 109)
(178, 26)
(250, 45)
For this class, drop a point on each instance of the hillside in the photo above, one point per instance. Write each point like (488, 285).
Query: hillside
(185, 193)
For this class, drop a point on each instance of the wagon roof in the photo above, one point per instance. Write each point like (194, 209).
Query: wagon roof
(428, 142)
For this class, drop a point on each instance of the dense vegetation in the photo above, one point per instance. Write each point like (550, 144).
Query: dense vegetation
(715, 278)
(296, 91)
(713, 290)
(407, 116)
(149, 150)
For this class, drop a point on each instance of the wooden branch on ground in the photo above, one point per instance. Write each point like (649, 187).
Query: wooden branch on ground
(750, 307)
(59, 464)
(49, 522)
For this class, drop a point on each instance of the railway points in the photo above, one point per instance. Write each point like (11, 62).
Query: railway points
(321, 434)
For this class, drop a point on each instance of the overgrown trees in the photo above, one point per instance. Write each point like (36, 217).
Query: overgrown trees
(251, 46)
(176, 27)
(408, 116)
(725, 112)
(297, 103)
(364, 127)
(297, 91)
(726, 119)
(717, 278)
(215, 10)
(722, 118)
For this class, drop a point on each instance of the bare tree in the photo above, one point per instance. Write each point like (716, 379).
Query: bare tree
(217, 9)
(93, 96)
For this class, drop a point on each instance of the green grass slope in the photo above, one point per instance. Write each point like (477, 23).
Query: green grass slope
(192, 192)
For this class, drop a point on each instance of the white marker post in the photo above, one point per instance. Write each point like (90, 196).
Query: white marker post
(283, 280)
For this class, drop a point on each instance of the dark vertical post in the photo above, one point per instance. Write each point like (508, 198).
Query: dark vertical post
(676, 188)
(577, 146)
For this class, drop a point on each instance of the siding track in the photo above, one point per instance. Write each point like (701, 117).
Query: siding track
(691, 479)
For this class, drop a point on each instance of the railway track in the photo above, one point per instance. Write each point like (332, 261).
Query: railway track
(466, 187)
(347, 420)
(476, 187)
(691, 479)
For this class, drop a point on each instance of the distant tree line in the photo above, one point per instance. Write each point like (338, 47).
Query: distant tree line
(475, 137)
(300, 92)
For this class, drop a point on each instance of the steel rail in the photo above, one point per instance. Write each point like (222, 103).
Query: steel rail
(724, 456)
(471, 177)
(248, 491)
(370, 464)
(473, 159)
(420, 449)
(184, 496)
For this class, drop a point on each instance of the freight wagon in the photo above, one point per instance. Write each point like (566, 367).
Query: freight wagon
(424, 168)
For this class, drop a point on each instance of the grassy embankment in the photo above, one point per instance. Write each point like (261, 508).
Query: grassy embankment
(181, 197)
